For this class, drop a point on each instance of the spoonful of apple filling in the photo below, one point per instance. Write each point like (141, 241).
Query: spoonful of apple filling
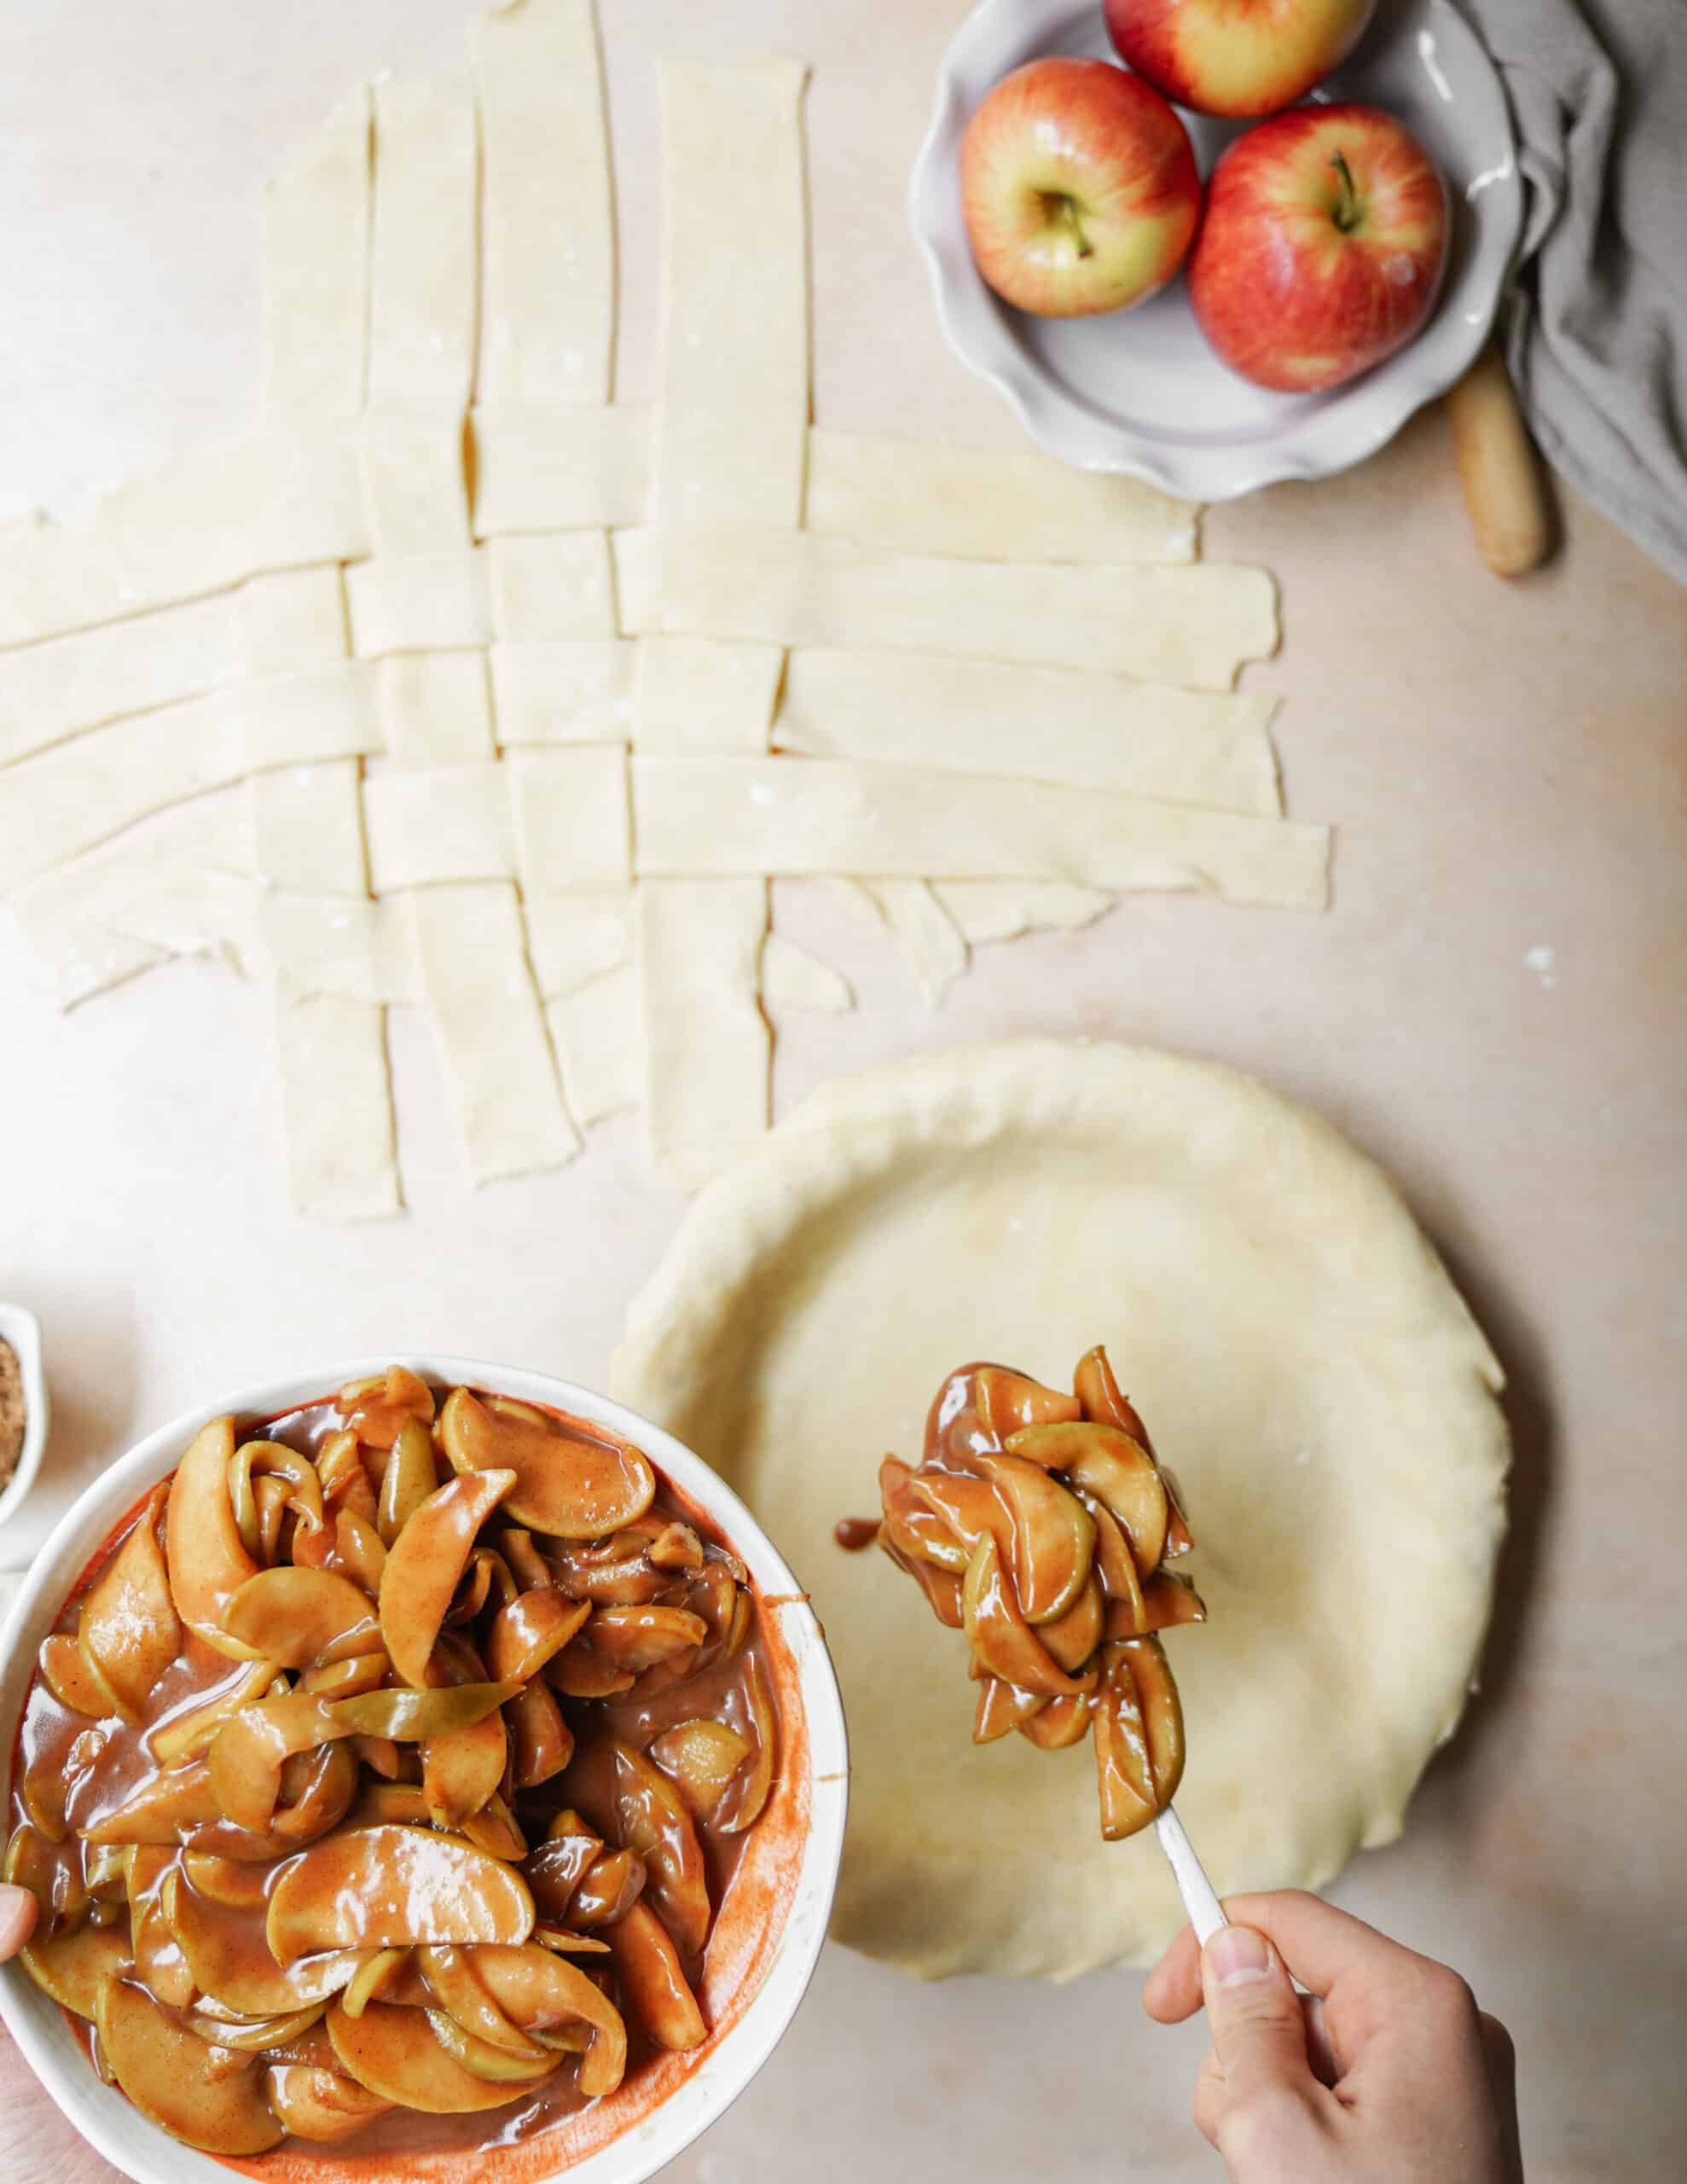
(1042, 1525)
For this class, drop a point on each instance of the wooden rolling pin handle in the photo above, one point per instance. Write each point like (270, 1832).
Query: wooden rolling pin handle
(1505, 489)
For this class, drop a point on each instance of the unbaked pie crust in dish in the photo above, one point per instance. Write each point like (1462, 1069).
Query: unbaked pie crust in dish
(1319, 1387)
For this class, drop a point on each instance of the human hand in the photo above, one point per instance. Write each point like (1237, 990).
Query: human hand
(1385, 2071)
(17, 1919)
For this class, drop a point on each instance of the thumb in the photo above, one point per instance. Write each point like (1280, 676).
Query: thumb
(1253, 2014)
(17, 1919)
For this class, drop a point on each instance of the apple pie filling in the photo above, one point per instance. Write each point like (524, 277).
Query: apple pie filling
(1041, 1525)
(390, 1767)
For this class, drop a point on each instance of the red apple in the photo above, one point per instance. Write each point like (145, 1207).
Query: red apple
(1240, 57)
(1323, 243)
(1079, 187)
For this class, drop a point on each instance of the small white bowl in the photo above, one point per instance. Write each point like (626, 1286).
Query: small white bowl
(22, 1331)
(653, 2135)
(1140, 390)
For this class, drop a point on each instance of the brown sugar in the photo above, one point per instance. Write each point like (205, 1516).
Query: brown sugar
(13, 1412)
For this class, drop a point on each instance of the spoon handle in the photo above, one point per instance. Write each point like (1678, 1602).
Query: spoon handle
(1206, 1913)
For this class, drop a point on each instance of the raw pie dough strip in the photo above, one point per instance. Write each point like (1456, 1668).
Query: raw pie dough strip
(446, 836)
(69, 798)
(561, 673)
(178, 885)
(796, 818)
(934, 943)
(423, 274)
(1042, 724)
(330, 1048)
(196, 525)
(316, 271)
(898, 496)
(564, 690)
(547, 219)
(553, 468)
(57, 689)
(730, 444)
(480, 986)
(793, 979)
(1003, 909)
(1194, 626)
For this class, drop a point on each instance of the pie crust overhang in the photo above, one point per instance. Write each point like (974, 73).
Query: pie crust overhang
(1319, 1387)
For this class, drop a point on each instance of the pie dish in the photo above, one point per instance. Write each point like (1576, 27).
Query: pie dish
(769, 1921)
(1140, 390)
(1316, 1383)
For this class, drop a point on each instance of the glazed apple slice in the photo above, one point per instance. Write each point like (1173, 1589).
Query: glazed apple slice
(317, 1788)
(462, 1770)
(1162, 1713)
(1007, 1401)
(319, 2105)
(574, 1480)
(748, 1792)
(612, 1885)
(164, 1808)
(176, 2080)
(1062, 1723)
(160, 1963)
(556, 1869)
(378, 1410)
(187, 1735)
(919, 1532)
(70, 1679)
(701, 1757)
(1118, 1471)
(1075, 1637)
(249, 1749)
(540, 1991)
(266, 1477)
(1166, 1600)
(298, 1618)
(654, 1981)
(1002, 1642)
(635, 1639)
(394, 1887)
(348, 1679)
(1124, 1771)
(451, 1979)
(130, 1633)
(541, 1744)
(393, 2053)
(206, 1559)
(73, 1967)
(225, 1948)
(412, 1717)
(1052, 1539)
(531, 1630)
(654, 1822)
(1001, 1709)
(427, 1559)
(253, 2036)
(223, 1880)
(408, 1479)
(483, 2059)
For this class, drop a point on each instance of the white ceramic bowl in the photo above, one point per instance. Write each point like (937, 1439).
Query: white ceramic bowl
(731, 2059)
(22, 1330)
(1140, 390)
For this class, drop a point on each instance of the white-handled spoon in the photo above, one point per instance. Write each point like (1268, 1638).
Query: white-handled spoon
(1200, 1899)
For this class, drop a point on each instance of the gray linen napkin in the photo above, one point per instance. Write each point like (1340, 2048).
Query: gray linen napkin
(1596, 333)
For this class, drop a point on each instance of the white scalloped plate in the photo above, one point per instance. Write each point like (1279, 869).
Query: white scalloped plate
(1140, 390)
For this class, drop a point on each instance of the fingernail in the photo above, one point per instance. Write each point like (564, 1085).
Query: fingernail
(1237, 1954)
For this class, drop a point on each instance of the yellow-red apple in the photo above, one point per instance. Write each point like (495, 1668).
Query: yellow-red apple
(1237, 57)
(1323, 243)
(1079, 187)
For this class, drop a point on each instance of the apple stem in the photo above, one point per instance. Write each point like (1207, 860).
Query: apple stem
(1346, 203)
(1066, 216)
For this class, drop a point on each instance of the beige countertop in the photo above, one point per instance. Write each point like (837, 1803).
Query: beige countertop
(1492, 1007)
